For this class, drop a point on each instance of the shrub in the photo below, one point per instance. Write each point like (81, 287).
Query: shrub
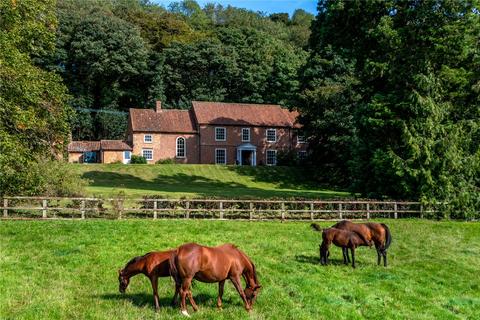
(166, 161)
(138, 160)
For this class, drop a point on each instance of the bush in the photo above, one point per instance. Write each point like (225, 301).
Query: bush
(166, 161)
(138, 160)
(287, 158)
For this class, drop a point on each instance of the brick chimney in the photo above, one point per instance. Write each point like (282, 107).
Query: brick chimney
(158, 106)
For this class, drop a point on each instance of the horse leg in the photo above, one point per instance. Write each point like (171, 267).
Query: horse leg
(175, 296)
(345, 254)
(238, 285)
(189, 293)
(348, 256)
(379, 256)
(353, 256)
(221, 285)
(384, 258)
(183, 294)
(154, 281)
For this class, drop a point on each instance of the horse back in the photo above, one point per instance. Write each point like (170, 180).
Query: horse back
(158, 262)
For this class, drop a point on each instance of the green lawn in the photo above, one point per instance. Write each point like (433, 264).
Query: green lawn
(193, 181)
(67, 270)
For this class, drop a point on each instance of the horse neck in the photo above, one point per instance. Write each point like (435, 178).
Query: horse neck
(250, 275)
(134, 268)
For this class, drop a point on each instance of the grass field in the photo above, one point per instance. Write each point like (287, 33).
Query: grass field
(175, 181)
(67, 270)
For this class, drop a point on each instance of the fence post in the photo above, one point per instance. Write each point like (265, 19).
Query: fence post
(368, 211)
(283, 211)
(311, 210)
(155, 209)
(395, 211)
(251, 210)
(5, 206)
(82, 209)
(421, 211)
(44, 208)
(221, 209)
(187, 213)
(340, 214)
(120, 208)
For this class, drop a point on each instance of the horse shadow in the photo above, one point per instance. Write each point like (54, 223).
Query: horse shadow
(145, 299)
(316, 260)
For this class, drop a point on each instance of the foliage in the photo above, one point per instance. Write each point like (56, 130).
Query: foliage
(138, 159)
(287, 158)
(394, 106)
(33, 111)
(166, 161)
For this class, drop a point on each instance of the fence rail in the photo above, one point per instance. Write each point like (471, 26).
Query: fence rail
(113, 208)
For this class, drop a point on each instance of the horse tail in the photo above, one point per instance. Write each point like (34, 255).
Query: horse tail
(172, 262)
(388, 236)
(316, 227)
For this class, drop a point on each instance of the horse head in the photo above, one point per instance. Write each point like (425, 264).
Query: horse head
(251, 293)
(123, 281)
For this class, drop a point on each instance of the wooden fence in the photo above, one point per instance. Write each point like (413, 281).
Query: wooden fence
(82, 208)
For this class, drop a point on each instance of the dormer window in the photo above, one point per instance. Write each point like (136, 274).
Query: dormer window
(220, 134)
(147, 138)
(271, 135)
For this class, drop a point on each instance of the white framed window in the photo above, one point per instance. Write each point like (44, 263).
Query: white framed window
(147, 138)
(127, 155)
(220, 134)
(220, 156)
(302, 155)
(271, 157)
(147, 154)
(181, 147)
(245, 134)
(300, 138)
(271, 135)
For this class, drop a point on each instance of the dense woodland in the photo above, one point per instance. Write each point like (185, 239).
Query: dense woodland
(389, 91)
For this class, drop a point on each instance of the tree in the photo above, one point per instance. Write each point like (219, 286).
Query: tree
(415, 103)
(33, 111)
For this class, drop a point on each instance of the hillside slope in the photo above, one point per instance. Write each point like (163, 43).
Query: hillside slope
(194, 181)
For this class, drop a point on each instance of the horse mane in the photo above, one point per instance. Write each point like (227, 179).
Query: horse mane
(135, 259)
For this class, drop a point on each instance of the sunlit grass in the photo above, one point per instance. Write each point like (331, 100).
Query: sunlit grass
(67, 270)
(193, 181)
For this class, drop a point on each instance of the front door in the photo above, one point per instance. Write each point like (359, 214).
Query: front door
(247, 156)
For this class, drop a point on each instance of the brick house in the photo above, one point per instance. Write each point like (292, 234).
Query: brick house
(211, 133)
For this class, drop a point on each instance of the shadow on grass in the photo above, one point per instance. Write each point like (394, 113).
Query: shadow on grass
(188, 183)
(145, 299)
(316, 260)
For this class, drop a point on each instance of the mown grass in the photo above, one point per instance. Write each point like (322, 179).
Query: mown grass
(67, 270)
(194, 181)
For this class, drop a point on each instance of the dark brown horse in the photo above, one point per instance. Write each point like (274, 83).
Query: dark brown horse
(213, 264)
(153, 265)
(341, 238)
(378, 233)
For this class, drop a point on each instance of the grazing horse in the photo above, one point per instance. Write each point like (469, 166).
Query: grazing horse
(340, 238)
(152, 265)
(213, 264)
(379, 233)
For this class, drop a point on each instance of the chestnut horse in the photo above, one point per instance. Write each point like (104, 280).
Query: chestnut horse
(152, 265)
(213, 264)
(379, 233)
(341, 238)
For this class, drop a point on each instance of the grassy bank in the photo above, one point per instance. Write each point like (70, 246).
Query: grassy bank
(67, 270)
(193, 181)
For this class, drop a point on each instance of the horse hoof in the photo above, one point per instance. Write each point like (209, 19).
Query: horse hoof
(185, 313)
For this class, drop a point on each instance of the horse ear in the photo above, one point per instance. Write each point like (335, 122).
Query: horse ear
(258, 287)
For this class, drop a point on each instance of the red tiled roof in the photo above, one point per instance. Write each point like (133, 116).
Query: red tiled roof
(83, 146)
(173, 120)
(115, 145)
(221, 113)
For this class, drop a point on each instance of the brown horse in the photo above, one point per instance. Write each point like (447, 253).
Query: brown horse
(379, 233)
(152, 265)
(340, 238)
(213, 264)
